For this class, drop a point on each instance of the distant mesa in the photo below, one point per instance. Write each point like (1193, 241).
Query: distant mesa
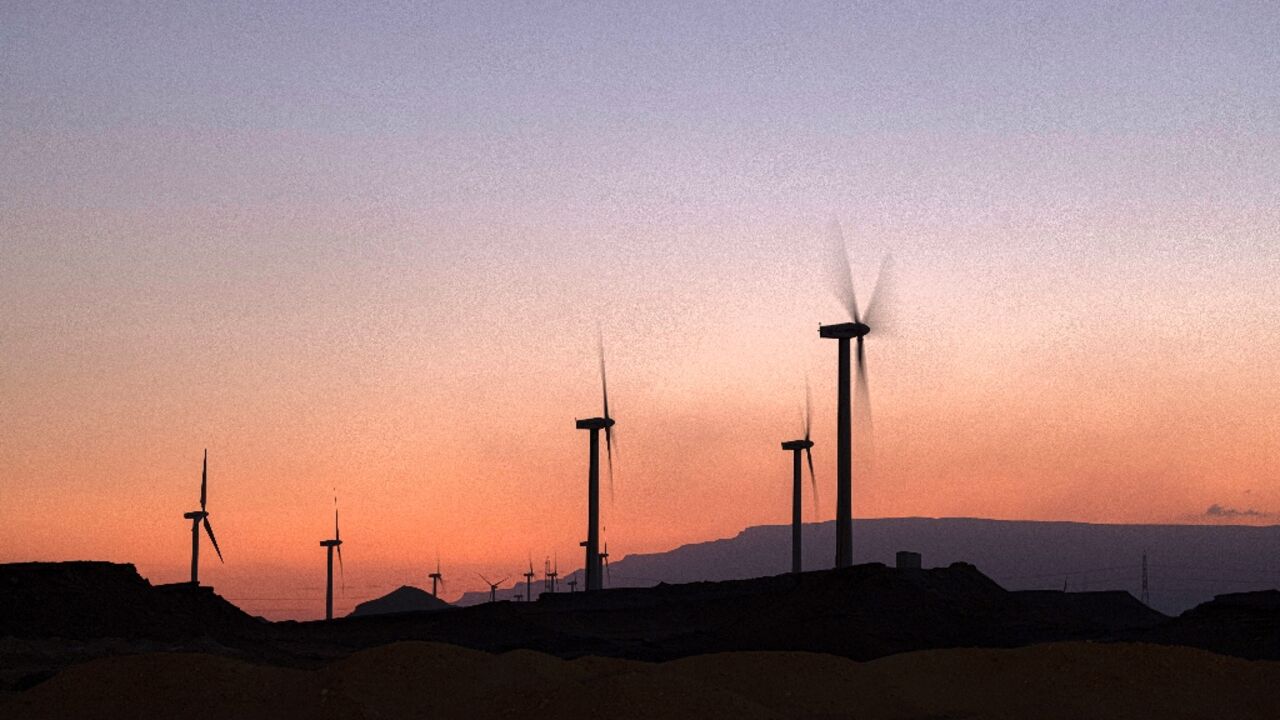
(403, 599)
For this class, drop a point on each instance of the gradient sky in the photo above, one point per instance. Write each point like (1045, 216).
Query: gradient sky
(367, 249)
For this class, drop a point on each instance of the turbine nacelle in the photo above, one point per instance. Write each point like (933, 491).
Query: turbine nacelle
(797, 445)
(330, 543)
(196, 515)
(843, 330)
(595, 423)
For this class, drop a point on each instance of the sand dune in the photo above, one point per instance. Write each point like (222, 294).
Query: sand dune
(1062, 680)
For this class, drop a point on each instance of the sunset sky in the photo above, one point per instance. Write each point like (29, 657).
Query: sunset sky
(367, 250)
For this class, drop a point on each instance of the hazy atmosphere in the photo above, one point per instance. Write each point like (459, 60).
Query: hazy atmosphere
(366, 251)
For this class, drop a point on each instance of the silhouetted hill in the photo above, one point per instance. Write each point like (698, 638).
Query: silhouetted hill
(1246, 625)
(1187, 564)
(56, 615)
(100, 599)
(403, 599)
(862, 612)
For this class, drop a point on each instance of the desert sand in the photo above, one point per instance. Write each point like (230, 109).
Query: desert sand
(417, 679)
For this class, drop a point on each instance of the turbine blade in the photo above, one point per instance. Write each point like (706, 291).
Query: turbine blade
(839, 273)
(864, 437)
(204, 478)
(608, 447)
(209, 531)
(877, 317)
(813, 480)
(808, 407)
(604, 384)
(485, 579)
(342, 571)
(336, 535)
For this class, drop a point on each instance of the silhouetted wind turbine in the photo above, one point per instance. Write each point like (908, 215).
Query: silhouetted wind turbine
(572, 582)
(436, 577)
(197, 518)
(330, 545)
(528, 581)
(553, 574)
(595, 425)
(842, 277)
(797, 447)
(604, 556)
(493, 587)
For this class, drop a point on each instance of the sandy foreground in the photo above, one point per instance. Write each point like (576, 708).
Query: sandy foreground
(414, 679)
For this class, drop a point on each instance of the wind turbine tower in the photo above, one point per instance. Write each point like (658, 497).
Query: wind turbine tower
(198, 518)
(436, 578)
(843, 333)
(798, 448)
(330, 546)
(528, 582)
(595, 425)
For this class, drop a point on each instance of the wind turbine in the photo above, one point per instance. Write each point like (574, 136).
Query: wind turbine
(595, 425)
(842, 277)
(553, 574)
(199, 517)
(436, 577)
(528, 582)
(336, 542)
(604, 556)
(572, 582)
(493, 587)
(798, 447)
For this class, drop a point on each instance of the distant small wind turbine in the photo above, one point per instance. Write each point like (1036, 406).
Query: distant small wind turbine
(493, 587)
(604, 556)
(572, 582)
(595, 425)
(797, 447)
(528, 581)
(553, 574)
(842, 279)
(330, 545)
(197, 518)
(436, 578)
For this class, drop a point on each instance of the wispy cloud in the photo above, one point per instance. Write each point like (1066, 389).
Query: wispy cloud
(1219, 511)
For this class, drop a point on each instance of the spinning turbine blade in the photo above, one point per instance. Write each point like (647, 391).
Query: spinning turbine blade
(604, 385)
(808, 408)
(881, 297)
(336, 534)
(840, 274)
(608, 430)
(608, 448)
(862, 409)
(209, 531)
(813, 480)
(342, 571)
(204, 478)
